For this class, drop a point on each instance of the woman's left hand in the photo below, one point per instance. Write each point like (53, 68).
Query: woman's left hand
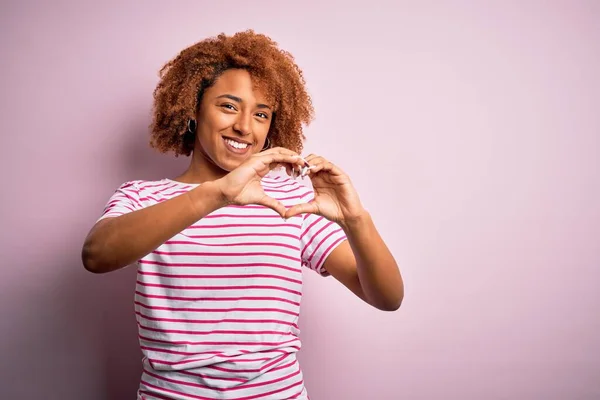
(335, 197)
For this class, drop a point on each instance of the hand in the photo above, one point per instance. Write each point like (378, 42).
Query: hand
(335, 197)
(243, 185)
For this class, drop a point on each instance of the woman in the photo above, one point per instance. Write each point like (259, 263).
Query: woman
(220, 248)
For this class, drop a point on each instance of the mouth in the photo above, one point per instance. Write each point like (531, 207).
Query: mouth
(237, 146)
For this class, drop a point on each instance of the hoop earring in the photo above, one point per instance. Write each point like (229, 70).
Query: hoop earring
(267, 144)
(191, 126)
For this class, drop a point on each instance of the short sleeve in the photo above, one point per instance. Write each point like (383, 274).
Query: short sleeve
(124, 200)
(319, 237)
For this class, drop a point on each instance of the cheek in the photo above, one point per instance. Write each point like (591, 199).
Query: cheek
(211, 125)
(218, 121)
(261, 129)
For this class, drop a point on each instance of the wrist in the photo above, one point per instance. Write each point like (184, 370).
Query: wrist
(208, 197)
(217, 190)
(355, 220)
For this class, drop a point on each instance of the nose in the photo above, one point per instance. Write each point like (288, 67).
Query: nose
(243, 124)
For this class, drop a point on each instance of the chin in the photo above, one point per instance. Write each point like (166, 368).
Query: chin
(229, 165)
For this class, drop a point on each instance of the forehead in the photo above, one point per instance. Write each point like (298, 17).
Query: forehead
(240, 83)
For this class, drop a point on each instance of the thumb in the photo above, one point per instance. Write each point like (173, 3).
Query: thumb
(273, 204)
(304, 208)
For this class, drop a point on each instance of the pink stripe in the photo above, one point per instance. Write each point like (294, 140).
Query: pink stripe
(212, 332)
(174, 392)
(194, 265)
(223, 369)
(194, 353)
(277, 360)
(261, 369)
(112, 213)
(242, 254)
(119, 205)
(148, 197)
(316, 221)
(289, 246)
(113, 202)
(321, 243)
(218, 310)
(295, 396)
(250, 207)
(223, 359)
(165, 186)
(197, 276)
(218, 378)
(243, 226)
(154, 395)
(279, 185)
(266, 298)
(238, 387)
(315, 235)
(131, 198)
(213, 216)
(149, 185)
(222, 378)
(294, 188)
(174, 193)
(220, 287)
(293, 197)
(274, 234)
(327, 251)
(279, 190)
(217, 321)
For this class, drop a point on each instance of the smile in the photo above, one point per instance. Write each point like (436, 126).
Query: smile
(235, 146)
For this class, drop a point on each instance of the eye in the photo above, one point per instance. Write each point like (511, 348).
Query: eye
(229, 106)
(263, 115)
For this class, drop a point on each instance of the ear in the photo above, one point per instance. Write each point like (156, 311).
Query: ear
(191, 126)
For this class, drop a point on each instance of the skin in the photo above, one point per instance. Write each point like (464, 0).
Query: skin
(233, 108)
(230, 108)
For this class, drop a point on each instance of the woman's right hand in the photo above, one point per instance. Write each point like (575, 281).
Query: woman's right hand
(243, 186)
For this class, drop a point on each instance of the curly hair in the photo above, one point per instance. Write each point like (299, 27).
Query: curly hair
(184, 79)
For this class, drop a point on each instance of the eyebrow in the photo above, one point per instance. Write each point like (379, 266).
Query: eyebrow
(239, 100)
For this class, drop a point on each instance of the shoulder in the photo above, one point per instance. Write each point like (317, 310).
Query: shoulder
(153, 190)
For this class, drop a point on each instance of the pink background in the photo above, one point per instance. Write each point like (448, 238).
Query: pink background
(471, 131)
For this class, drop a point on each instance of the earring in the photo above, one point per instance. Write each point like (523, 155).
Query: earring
(267, 144)
(191, 126)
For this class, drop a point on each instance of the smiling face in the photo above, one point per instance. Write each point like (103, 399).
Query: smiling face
(233, 119)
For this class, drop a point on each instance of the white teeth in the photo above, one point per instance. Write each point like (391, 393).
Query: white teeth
(235, 144)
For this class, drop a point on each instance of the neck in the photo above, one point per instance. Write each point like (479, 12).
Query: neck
(201, 169)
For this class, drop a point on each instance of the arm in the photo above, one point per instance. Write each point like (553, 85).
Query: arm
(365, 265)
(116, 242)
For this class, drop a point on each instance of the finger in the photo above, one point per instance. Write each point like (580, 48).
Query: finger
(321, 164)
(277, 166)
(273, 204)
(284, 166)
(274, 158)
(308, 170)
(296, 164)
(310, 157)
(310, 207)
(278, 150)
(317, 167)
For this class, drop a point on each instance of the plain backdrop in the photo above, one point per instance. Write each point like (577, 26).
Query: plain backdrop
(471, 130)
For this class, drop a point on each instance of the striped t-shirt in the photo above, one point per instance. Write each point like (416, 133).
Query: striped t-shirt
(217, 305)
